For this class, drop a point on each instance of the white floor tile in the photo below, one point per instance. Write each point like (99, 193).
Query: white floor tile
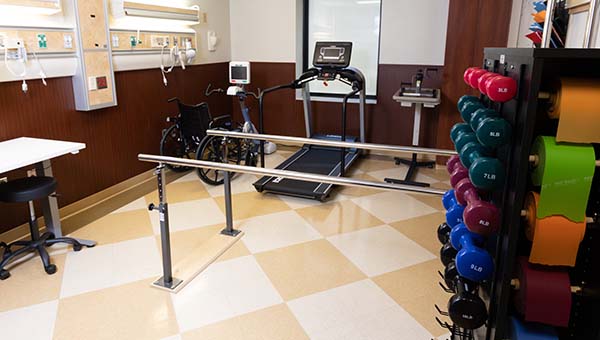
(341, 313)
(140, 203)
(32, 322)
(110, 265)
(277, 230)
(225, 290)
(380, 250)
(393, 206)
(240, 183)
(399, 172)
(190, 215)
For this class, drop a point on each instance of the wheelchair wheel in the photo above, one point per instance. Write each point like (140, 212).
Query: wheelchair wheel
(210, 149)
(173, 145)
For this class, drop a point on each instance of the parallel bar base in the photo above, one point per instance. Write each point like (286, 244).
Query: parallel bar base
(161, 284)
(232, 233)
(413, 164)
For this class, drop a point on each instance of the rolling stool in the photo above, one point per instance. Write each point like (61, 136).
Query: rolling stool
(27, 190)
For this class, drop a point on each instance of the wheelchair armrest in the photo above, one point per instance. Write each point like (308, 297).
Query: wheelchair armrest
(220, 121)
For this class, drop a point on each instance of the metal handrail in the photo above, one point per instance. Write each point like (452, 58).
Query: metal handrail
(333, 143)
(309, 177)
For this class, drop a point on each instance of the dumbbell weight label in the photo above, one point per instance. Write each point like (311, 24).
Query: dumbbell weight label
(491, 177)
(476, 268)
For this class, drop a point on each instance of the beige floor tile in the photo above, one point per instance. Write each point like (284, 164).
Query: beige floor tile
(359, 192)
(393, 206)
(307, 268)
(375, 163)
(29, 284)
(422, 230)
(131, 311)
(251, 204)
(439, 173)
(434, 201)
(181, 192)
(282, 325)
(182, 242)
(338, 217)
(117, 227)
(416, 290)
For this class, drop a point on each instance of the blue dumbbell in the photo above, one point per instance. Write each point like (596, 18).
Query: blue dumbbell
(454, 215)
(449, 199)
(472, 262)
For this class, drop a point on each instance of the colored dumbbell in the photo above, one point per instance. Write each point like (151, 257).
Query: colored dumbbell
(481, 217)
(447, 253)
(456, 170)
(443, 232)
(474, 75)
(501, 89)
(472, 262)
(483, 79)
(486, 173)
(454, 211)
(491, 130)
(481, 173)
(465, 99)
(467, 74)
(461, 134)
(448, 199)
(466, 309)
(451, 277)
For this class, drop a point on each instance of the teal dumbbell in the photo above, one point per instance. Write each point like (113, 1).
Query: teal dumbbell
(468, 109)
(461, 134)
(491, 130)
(485, 172)
(466, 99)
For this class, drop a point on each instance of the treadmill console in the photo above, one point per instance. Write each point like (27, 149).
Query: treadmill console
(332, 55)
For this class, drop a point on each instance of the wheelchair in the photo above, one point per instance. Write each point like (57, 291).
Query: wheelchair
(187, 138)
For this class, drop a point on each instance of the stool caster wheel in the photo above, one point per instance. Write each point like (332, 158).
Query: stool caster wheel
(77, 247)
(50, 269)
(4, 274)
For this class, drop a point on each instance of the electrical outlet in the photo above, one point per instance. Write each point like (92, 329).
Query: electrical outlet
(157, 41)
(68, 40)
(4, 180)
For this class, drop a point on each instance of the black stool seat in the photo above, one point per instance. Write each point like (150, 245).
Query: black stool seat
(27, 189)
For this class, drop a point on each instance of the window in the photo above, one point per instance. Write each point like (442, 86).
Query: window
(357, 21)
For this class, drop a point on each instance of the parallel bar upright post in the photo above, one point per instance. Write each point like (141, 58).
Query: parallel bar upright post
(229, 231)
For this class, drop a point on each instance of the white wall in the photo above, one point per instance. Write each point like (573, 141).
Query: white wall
(263, 30)
(413, 32)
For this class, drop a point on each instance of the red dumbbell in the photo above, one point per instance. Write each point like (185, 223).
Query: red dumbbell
(483, 79)
(501, 89)
(474, 77)
(456, 170)
(480, 217)
(467, 74)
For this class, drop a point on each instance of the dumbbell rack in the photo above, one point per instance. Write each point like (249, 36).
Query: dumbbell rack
(535, 70)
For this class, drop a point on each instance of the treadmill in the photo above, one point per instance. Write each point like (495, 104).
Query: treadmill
(331, 63)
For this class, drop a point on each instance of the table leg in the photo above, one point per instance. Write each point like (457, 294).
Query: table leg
(50, 206)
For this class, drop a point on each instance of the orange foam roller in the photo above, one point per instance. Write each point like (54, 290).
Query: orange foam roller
(555, 239)
(539, 17)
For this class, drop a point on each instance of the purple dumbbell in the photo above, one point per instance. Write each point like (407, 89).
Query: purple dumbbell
(479, 216)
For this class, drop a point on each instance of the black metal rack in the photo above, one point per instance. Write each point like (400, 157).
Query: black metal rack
(535, 70)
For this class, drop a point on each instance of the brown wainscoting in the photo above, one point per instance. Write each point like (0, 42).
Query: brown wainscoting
(114, 136)
(472, 26)
(387, 121)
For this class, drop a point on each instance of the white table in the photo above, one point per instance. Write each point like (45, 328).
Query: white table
(22, 152)
(413, 164)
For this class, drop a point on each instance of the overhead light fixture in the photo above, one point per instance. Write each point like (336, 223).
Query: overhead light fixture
(137, 9)
(30, 7)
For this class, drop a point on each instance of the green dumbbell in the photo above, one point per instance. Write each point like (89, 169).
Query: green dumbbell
(485, 172)
(462, 134)
(466, 99)
(492, 130)
(468, 109)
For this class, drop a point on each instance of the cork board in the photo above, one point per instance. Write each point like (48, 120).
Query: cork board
(97, 64)
(124, 40)
(92, 23)
(55, 40)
